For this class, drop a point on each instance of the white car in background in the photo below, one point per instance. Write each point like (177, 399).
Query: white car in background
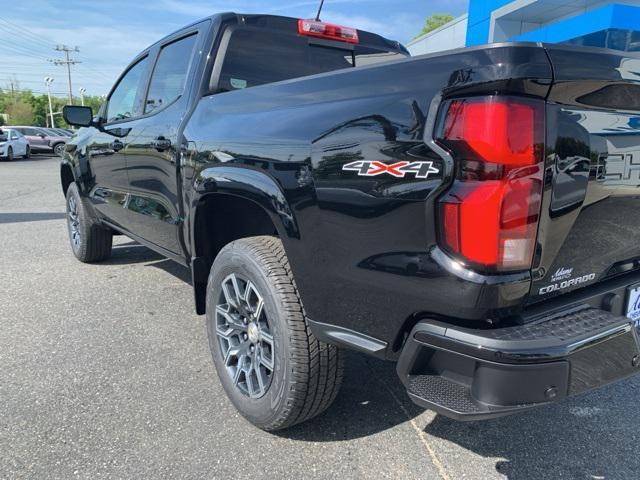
(13, 144)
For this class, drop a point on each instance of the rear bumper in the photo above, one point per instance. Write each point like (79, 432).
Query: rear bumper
(470, 374)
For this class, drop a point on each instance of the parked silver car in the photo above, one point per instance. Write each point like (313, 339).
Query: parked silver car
(42, 140)
(13, 144)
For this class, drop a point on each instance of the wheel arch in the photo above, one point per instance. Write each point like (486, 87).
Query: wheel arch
(231, 203)
(66, 176)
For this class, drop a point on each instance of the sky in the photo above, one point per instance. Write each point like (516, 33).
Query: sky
(110, 33)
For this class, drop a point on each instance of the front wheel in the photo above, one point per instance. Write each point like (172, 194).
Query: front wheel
(9, 154)
(273, 369)
(90, 242)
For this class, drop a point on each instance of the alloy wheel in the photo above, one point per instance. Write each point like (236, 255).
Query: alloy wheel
(73, 220)
(244, 336)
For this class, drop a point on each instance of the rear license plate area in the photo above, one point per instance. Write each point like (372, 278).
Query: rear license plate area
(633, 304)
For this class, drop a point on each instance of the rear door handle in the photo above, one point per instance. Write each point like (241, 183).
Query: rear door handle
(117, 145)
(161, 144)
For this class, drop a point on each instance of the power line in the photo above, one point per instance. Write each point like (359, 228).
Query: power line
(23, 42)
(21, 30)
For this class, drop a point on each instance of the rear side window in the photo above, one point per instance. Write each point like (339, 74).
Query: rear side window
(256, 57)
(170, 73)
(122, 103)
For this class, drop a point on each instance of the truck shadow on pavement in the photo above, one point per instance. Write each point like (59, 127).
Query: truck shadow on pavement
(371, 400)
(21, 217)
(591, 436)
(132, 253)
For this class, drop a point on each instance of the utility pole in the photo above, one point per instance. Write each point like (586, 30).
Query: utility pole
(82, 92)
(68, 62)
(13, 94)
(48, 81)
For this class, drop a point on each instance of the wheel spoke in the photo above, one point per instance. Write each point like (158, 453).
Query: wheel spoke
(267, 338)
(236, 375)
(236, 289)
(231, 321)
(258, 310)
(265, 360)
(228, 295)
(262, 381)
(251, 386)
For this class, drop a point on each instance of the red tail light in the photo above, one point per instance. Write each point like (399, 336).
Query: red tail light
(489, 217)
(316, 28)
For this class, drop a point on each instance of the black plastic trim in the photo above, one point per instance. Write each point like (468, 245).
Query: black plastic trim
(348, 338)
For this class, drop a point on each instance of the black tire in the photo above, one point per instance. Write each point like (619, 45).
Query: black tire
(27, 154)
(307, 373)
(90, 242)
(58, 149)
(9, 154)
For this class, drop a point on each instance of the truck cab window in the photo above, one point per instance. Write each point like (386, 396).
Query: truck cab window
(122, 103)
(256, 57)
(170, 73)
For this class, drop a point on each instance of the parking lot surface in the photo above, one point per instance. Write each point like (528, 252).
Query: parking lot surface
(105, 373)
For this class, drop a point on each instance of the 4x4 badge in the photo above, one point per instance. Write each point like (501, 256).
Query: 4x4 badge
(398, 169)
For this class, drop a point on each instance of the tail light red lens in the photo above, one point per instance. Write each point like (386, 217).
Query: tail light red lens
(316, 28)
(489, 217)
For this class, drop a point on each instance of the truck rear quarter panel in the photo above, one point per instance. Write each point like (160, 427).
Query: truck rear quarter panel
(362, 256)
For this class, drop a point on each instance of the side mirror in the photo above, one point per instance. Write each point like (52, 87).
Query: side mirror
(77, 115)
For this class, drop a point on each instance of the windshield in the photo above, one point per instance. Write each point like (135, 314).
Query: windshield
(4, 135)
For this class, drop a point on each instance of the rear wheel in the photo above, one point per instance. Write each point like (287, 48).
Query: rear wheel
(27, 153)
(58, 149)
(90, 242)
(273, 369)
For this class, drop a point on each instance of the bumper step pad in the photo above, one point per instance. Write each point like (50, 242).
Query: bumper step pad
(472, 374)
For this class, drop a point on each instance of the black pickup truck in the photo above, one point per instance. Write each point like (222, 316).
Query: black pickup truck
(473, 215)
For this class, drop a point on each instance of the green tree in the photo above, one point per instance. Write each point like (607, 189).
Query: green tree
(40, 106)
(435, 21)
(23, 107)
(20, 112)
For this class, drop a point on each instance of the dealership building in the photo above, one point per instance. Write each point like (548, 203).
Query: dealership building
(580, 22)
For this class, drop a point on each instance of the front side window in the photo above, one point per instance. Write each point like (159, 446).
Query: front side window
(170, 73)
(122, 103)
(13, 135)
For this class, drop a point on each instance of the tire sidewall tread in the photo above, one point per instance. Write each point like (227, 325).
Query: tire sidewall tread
(95, 240)
(308, 372)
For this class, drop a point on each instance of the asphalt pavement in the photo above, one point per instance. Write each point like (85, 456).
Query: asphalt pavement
(105, 373)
